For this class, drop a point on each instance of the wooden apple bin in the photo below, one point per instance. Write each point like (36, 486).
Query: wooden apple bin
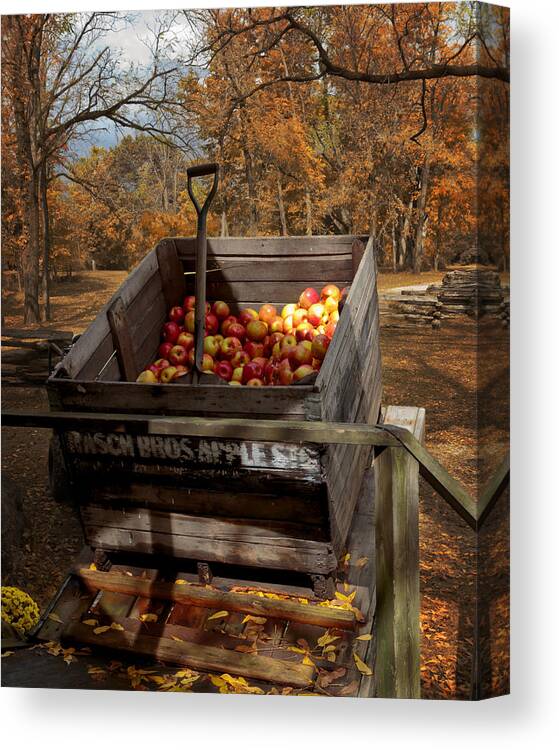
(281, 505)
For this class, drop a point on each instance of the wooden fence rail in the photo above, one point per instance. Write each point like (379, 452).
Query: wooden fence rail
(381, 436)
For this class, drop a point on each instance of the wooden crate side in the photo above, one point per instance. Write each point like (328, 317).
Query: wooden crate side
(349, 385)
(269, 246)
(285, 402)
(87, 355)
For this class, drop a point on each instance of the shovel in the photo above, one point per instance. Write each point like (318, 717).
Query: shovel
(201, 170)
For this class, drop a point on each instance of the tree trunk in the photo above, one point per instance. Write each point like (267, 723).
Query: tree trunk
(31, 251)
(394, 248)
(224, 225)
(308, 211)
(46, 243)
(421, 205)
(404, 234)
(281, 208)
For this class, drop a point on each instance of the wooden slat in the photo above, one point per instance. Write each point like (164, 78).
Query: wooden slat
(269, 246)
(304, 558)
(397, 562)
(281, 533)
(87, 345)
(276, 292)
(171, 272)
(196, 656)
(122, 339)
(227, 269)
(326, 617)
(235, 429)
(208, 502)
(284, 401)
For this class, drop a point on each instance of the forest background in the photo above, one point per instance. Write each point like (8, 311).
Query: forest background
(336, 119)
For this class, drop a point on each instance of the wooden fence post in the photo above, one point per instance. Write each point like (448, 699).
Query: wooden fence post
(397, 561)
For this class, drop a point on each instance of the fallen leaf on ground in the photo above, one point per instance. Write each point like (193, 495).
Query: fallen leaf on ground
(361, 666)
(218, 615)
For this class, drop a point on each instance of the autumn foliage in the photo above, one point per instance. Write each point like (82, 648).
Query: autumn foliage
(383, 120)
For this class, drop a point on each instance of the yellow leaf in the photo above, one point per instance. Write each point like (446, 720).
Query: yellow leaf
(217, 681)
(252, 618)
(102, 629)
(346, 558)
(365, 637)
(92, 623)
(148, 617)
(307, 661)
(157, 679)
(296, 649)
(7, 653)
(53, 616)
(218, 615)
(116, 626)
(176, 638)
(93, 566)
(325, 639)
(331, 656)
(180, 582)
(329, 649)
(361, 666)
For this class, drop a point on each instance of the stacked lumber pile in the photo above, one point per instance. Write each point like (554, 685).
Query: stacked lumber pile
(471, 291)
(410, 310)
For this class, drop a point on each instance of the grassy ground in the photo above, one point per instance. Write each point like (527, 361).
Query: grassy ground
(460, 377)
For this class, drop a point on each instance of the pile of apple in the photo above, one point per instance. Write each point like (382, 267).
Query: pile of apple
(255, 348)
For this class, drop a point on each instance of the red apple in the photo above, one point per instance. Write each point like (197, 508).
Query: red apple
(251, 370)
(171, 331)
(168, 374)
(267, 313)
(257, 330)
(158, 366)
(330, 290)
(211, 346)
(212, 324)
(191, 357)
(240, 358)
(334, 317)
(288, 310)
(246, 315)
(220, 310)
(224, 370)
(299, 316)
(237, 330)
(276, 325)
(285, 372)
(302, 372)
(330, 305)
(275, 337)
(262, 361)
(309, 297)
(237, 374)
(182, 370)
(254, 349)
(189, 302)
(320, 346)
(271, 373)
(255, 382)
(315, 314)
(208, 363)
(186, 339)
(304, 331)
(166, 347)
(178, 355)
(189, 321)
(302, 354)
(147, 376)
(288, 324)
(229, 320)
(177, 314)
(331, 329)
(229, 346)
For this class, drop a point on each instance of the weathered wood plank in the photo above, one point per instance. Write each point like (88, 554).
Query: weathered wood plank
(122, 339)
(171, 272)
(277, 292)
(397, 562)
(271, 246)
(229, 269)
(208, 502)
(196, 656)
(311, 558)
(283, 534)
(326, 617)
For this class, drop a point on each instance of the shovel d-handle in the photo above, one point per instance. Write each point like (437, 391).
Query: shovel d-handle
(201, 170)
